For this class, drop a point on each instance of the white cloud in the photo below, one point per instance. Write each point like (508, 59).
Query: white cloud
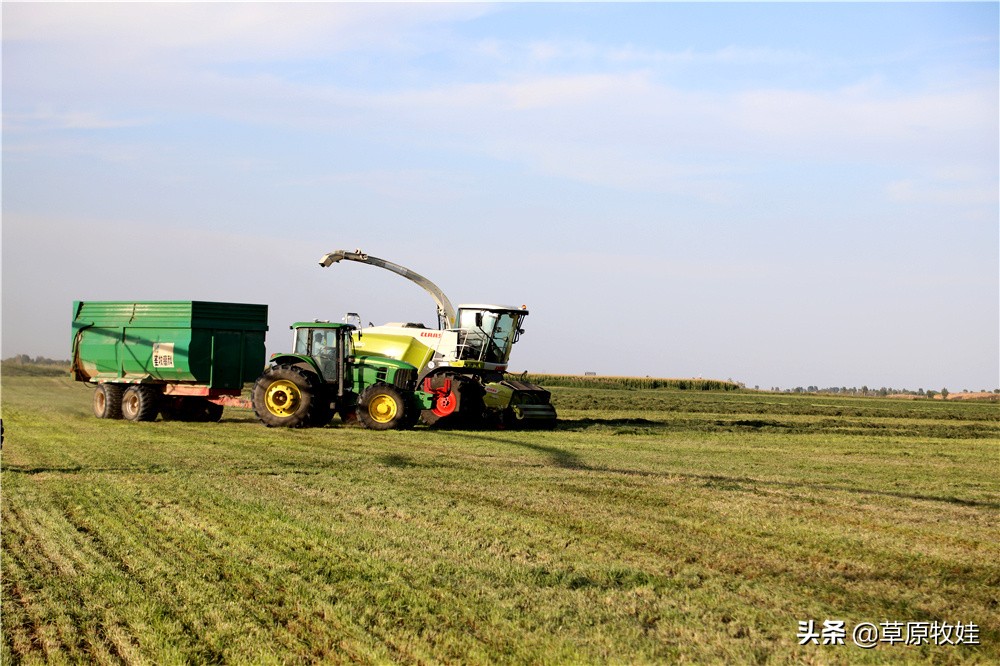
(945, 191)
(48, 119)
(229, 31)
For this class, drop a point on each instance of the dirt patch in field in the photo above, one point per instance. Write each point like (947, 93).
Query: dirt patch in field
(978, 395)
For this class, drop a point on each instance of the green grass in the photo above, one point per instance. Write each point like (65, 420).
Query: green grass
(603, 381)
(653, 526)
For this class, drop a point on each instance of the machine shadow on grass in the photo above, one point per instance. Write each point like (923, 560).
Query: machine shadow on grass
(566, 459)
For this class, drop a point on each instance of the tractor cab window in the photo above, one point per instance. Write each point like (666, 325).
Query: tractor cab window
(302, 341)
(321, 345)
(316, 341)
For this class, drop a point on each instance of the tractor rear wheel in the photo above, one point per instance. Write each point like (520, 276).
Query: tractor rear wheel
(140, 403)
(108, 401)
(382, 406)
(284, 397)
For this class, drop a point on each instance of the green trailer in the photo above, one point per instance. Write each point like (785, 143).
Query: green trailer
(184, 359)
(187, 360)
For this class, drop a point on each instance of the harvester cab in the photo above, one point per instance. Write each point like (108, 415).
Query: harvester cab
(462, 362)
(487, 333)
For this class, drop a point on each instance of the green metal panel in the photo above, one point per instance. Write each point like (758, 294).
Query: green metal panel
(216, 344)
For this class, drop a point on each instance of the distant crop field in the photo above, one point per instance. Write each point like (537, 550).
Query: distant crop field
(652, 526)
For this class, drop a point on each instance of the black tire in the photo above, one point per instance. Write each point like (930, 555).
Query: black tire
(284, 397)
(190, 409)
(108, 401)
(347, 409)
(202, 411)
(323, 409)
(382, 406)
(468, 394)
(140, 403)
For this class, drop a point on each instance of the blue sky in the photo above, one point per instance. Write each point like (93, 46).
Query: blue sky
(781, 194)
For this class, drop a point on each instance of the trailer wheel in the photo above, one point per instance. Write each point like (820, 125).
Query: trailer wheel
(384, 407)
(108, 401)
(139, 403)
(283, 397)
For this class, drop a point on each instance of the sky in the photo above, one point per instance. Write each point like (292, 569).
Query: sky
(779, 194)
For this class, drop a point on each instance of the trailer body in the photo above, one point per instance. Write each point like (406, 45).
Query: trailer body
(219, 346)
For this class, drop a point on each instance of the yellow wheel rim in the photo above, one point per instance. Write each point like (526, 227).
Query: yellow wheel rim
(282, 398)
(383, 408)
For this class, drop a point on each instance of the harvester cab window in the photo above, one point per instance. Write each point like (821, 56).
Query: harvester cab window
(489, 334)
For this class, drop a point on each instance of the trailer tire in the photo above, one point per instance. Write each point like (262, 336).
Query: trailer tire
(140, 403)
(382, 406)
(284, 397)
(108, 401)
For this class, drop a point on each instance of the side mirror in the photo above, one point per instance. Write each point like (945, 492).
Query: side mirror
(479, 320)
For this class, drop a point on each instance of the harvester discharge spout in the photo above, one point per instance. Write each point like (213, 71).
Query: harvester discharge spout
(446, 311)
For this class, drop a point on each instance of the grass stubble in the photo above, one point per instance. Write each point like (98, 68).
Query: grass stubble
(652, 526)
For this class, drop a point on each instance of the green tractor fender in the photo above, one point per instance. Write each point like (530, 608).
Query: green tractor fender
(296, 359)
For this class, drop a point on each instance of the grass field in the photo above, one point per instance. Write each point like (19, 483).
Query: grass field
(653, 526)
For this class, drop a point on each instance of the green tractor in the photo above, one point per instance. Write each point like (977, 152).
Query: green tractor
(321, 377)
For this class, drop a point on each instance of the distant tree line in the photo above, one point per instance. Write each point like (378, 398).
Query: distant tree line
(872, 392)
(24, 359)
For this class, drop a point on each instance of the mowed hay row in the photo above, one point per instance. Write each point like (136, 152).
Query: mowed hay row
(649, 527)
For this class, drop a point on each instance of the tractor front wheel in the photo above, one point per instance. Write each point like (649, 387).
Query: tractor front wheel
(283, 397)
(384, 407)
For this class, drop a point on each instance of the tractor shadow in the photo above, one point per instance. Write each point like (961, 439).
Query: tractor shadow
(557, 456)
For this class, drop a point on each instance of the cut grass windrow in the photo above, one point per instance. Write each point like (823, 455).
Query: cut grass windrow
(665, 528)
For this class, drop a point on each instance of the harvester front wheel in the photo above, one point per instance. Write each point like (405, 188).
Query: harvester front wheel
(462, 407)
(283, 397)
(108, 401)
(384, 407)
(140, 403)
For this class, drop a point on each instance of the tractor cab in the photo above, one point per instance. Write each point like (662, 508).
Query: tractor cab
(327, 343)
(488, 332)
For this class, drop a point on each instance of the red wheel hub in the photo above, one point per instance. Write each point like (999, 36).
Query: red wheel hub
(445, 404)
(445, 400)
